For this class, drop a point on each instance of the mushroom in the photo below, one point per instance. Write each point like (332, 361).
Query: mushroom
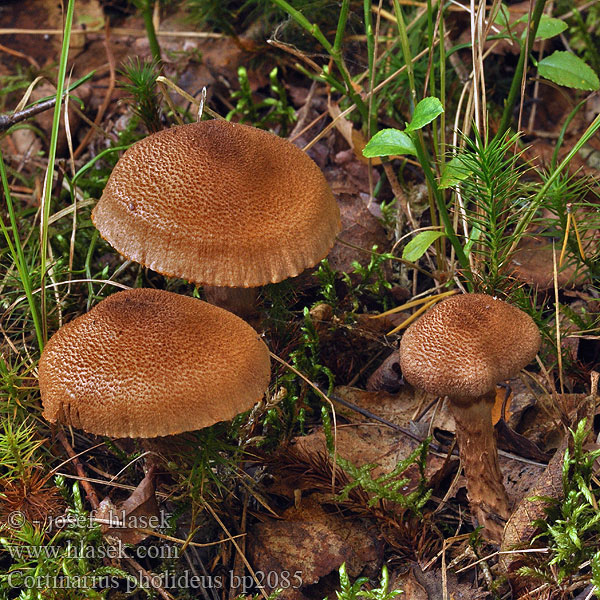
(146, 363)
(461, 349)
(219, 204)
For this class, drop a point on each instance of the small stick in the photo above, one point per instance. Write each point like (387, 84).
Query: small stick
(237, 547)
(107, 97)
(579, 244)
(557, 319)
(194, 101)
(413, 303)
(89, 490)
(18, 54)
(7, 121)
(365, 413)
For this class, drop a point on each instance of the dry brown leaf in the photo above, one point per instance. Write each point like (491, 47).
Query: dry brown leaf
(355, 138)
(361, 444)
(400, 408)
(386, 447)
(532, 263)
(360, 227)
(313, 542)
(499, 404)
(411, 588)
(514, 442)
(540, 422)
(519, 530)
(140, 509)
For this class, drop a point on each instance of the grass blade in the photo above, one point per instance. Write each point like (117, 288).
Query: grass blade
(16, 249)
(60, 84)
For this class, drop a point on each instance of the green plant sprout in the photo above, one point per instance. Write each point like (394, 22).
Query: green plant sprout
(583, 32)
(571, 528)
(563, 68)
(305, 358)
(142, 86)
(358, 589)
(391, 142)
(595, 564)
(272, 111)
(372, 279)
(385, 487)
(367, 280)
(18, 449)
(492, 195)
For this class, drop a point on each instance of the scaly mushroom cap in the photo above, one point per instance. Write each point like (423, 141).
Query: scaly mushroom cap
(146, 363)
(218, 203)
(466, 344)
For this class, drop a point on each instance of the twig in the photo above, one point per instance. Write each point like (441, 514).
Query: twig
(89, 490)
(7, 121)
(18, 54)
(120, 31)
(107, 97)
(557, 320)
(365, 413)
(241, 554)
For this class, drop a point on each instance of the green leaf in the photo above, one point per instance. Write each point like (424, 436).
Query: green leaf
(389, 142)
(419, 244)
(574, 537)
(502, 17)
(548, 28)
(425, 112)
(454, 172)
(564, 68)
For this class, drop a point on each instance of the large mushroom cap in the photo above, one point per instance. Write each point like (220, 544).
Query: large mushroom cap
(466, 344)
(218, 203)
(146, 363)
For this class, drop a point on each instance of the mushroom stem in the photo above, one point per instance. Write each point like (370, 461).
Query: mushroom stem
(479, 457)
(239, 301)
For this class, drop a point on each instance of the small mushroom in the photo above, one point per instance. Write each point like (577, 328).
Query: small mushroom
(145, 363)
(219, 204)
(461, 349)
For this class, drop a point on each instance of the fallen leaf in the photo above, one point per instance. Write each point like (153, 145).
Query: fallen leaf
(511, 441)
(519, 529)
(532, 263)
(353, 137)
(401, 408)
(140, 509)
(314, 543)
(359, 228)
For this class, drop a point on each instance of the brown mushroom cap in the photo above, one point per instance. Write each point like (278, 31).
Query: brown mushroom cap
(146, 363)
(218, 203)
(466, 344)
